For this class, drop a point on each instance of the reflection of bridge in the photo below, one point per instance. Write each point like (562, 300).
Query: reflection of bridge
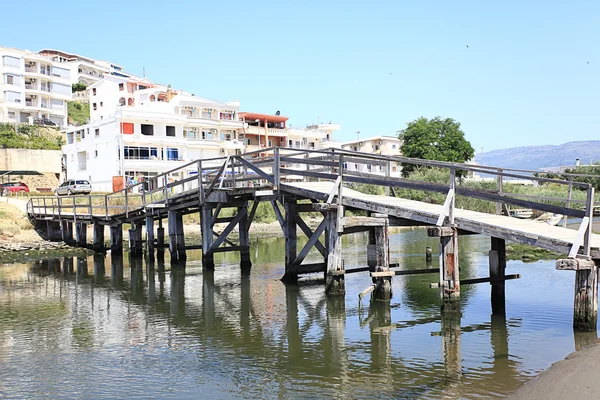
(308, 343)
(233, 182)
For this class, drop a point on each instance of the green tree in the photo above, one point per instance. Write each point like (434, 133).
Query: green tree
(435, 139)
(78, 87)
(593, 169)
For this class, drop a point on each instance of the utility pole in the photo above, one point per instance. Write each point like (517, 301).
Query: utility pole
(357, 135)
(481, 155)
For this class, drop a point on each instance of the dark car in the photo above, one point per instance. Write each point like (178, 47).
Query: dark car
(14, 187)
(44, 122)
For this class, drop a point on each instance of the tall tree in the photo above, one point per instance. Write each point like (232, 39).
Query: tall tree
(435, 139)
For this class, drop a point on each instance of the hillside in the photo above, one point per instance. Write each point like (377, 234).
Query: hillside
(536, 157)
(29, 137)
(79, 113)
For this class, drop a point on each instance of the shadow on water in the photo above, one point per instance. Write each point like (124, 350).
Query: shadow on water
(249, 335)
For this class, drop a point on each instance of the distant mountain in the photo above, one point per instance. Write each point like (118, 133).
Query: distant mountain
(536, 157)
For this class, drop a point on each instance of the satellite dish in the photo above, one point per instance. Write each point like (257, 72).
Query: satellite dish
(277, 113)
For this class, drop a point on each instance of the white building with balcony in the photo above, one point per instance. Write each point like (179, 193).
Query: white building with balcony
(140, 129)
(33, 88)
(379, 145)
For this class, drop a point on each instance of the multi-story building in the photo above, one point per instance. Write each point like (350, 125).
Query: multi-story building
(33, 89)
(262, 131)
(140, 129)
(380, 145)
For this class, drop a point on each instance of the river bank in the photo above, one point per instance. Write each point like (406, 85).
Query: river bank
(575, 377)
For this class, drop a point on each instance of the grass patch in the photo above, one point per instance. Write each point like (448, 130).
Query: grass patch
(29, 137)
(526, 253)
(12, 221)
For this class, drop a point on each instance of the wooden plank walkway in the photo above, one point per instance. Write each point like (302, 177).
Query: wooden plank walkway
(518, 230)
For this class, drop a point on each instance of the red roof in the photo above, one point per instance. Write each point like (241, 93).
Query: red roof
(249, 116)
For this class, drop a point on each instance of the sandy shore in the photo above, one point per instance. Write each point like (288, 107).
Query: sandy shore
(575, 377)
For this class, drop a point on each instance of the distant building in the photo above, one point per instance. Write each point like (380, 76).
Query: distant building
(380, 145)
(34, 89)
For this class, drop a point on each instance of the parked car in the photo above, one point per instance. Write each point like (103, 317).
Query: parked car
(44, 122)
(14, 187)
(74, 186)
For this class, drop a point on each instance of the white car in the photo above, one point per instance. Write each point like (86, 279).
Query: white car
(74, 186)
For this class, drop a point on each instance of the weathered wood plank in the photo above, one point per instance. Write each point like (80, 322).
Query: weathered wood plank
(574, 264)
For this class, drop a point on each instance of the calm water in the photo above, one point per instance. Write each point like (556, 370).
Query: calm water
(105, 328)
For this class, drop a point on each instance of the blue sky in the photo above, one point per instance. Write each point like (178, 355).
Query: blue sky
(371, 66)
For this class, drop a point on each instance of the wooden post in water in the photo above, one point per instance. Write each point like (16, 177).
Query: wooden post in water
(334, 284)
(449, 268)
(585, 312)
(176, 237)
(497, 258)
(81, 234)
(53, 231)
(372, 253)
(208, 258)
(150, 235)
(67, 231)
(383, 285)
(116, 239)
(245, 262)
(160, 238)
(98, 237)
(290, 227)
(99, 269)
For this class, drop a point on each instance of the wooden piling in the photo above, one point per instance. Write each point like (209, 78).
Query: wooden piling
(372, 252)
(53, 233)
(116, 239)
(334, 283)
(81, 234)
(497, 257)
(99, 268)
(449, 268)
(290, 227)
(176, 237)
(98, 237)
(208, 257)
(585, 314)
(66, 230)
(383, 285)
(160, 238)
(243, 227)
(150, 235)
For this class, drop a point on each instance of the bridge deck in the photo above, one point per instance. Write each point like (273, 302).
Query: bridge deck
(518, 230)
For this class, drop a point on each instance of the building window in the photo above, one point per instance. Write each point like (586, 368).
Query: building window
(95, 106)
(97, 131)
(127, 128)
(11, 115)
(122, 101)
(290, 143)
(95, 153)
(13, 97)
(121, 87)
(94, 91)
(270, 143)
(12, 61)
(101, 104)
(394, 146)
(172, 154)
(83, 134)
(10, 80)
(147, 130)
(170, 131)
(377, 147)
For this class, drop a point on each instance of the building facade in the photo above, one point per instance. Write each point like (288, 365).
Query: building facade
(379, 145)
(34, 89)
(140, 130)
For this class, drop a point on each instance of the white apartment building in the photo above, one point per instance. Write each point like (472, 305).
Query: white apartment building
(33, 88)
(380, 145)
(140, 129)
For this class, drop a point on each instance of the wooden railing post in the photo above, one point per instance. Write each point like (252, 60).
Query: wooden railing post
(276, 167)
(58, 202)
(453, 191)
(45, 209)
(340, 206)
(90, 205)
(165, 188)
(388, 168)
(499, 187)
(233, 172)
(589, 212)
(106, 206)
(200, 186)
(568, 204)
(126, 204)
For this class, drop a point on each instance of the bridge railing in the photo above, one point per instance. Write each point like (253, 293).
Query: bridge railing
(274, 165)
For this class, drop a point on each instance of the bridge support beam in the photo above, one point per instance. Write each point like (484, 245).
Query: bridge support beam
(383, 285)
(66, 230)
(243, 228)
(334, 284)
(116, 239)
(150, 236)
(290, 231)
(176, 237)
(81, 234)
(497, 258)
(160, 238)
(98, 237)
(53, 231)
(449, 268)
(206, 225)
(135, 240)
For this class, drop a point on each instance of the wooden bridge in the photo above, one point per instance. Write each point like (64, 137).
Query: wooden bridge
(296, 182)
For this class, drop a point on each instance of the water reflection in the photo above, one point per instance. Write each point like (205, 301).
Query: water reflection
(251, 336)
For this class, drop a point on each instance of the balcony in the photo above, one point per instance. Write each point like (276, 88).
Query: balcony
(45, 72)
(31, 86)
(45, 88)
(31, 69)
(30, 103)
